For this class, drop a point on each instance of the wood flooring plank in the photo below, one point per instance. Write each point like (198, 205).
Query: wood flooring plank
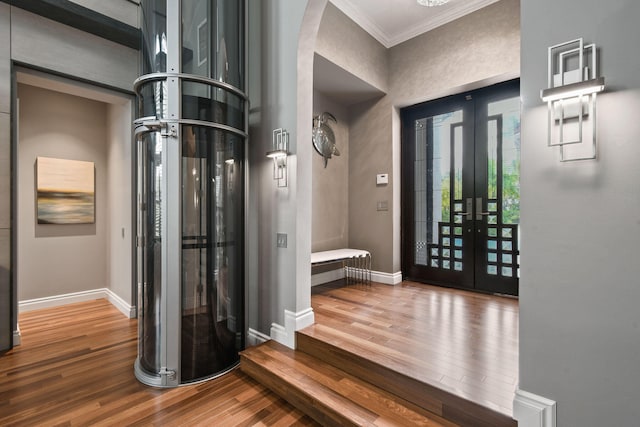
(462, 342)
(75, 368)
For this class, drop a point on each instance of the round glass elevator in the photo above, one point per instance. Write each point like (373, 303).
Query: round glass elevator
(191, 135)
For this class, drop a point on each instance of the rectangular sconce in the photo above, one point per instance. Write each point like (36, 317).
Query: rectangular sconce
(571, 99)
(279, 154)
(573, 90)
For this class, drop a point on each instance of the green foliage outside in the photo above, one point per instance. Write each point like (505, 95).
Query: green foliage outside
(510, 193)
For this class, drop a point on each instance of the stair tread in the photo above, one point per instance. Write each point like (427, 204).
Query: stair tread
(354, 399)
(360, 357)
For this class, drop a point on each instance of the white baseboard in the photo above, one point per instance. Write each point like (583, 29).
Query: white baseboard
(293, 322)
(256, 337)
(327, 276)
(278, 333)
(64, 299)
(124, 307)
(387, 278)
(17, 337)
(531, 410)
(337, 274)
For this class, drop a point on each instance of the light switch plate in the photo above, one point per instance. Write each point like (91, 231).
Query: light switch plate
(281, 240)
(382, 178)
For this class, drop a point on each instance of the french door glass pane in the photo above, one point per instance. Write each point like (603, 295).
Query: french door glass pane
(509, 109)
(503, 185)
(438, 150)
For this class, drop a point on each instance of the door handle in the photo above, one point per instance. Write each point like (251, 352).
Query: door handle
(469, 210)
(479, 213)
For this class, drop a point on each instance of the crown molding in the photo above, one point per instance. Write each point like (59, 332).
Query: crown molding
(458, 10)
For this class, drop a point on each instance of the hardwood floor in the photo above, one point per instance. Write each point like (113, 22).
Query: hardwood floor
(462, 342)
(75, 367)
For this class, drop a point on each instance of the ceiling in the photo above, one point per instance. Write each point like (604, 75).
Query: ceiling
(394, 21)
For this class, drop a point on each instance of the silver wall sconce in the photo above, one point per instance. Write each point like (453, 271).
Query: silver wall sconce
(279, 154)
(571, 99)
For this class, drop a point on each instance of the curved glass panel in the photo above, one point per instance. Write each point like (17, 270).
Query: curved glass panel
(212, 251)
(191, 196)
(204, 102)
(154, 36)
(213, 40)
(150, 171)
(152, 99)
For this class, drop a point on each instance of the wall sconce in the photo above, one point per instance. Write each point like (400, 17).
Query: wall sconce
(279, 154)
(571, 99)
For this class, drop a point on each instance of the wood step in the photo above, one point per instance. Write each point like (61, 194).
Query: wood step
(389, 372)
(328, 394)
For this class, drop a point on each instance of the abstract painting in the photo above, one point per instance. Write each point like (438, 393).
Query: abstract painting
(65, 191)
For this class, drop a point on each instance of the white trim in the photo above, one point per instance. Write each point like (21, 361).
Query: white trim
(82, 296)
(124, 307)
(292, 322)
(327, 276)
(256, 337)
(17, 337)
(389, 40)
(531, 410)
(278, 333)
(386, 278)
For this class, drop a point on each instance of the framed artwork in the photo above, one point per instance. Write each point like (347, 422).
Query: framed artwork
(203, 42)
(65, 191)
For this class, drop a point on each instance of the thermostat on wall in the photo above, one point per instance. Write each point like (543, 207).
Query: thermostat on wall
(382, 179)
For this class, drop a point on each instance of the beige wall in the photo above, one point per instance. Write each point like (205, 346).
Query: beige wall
(59, 259)
(330, 197)
(119, 203)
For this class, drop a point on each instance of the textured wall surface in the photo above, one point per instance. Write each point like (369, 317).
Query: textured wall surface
(347, 45)
(330, 198)
(52, 46)
(467, 53)
(474, 51)
(125, 11)
(371, 154)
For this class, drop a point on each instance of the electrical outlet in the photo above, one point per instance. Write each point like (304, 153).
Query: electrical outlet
(281, 240)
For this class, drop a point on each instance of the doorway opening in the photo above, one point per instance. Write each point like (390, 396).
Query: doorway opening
(72, 259)
(461, 190)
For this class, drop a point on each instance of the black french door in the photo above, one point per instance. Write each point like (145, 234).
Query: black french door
(461, 190)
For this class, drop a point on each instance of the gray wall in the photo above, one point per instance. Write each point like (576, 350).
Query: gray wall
(7, 320)
(579, 293)
(330, 198)
(272, 282)
(60, 259)
(122, 10)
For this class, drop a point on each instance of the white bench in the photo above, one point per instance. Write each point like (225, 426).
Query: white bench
(355, 262)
